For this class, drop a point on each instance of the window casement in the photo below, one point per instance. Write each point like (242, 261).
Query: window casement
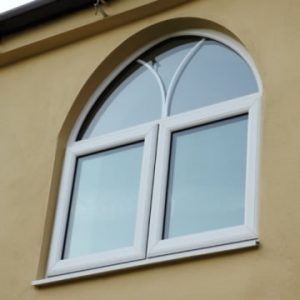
(163, 161)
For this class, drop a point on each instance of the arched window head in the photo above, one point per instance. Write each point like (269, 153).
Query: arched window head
(178, 75)
(164, 162)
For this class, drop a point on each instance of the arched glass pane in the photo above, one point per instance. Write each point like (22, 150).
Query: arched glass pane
(169, 61)
(166, 57)
(216, 73)
(133, 98)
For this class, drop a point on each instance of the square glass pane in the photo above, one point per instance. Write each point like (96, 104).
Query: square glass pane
(104, 201)
(206, 184)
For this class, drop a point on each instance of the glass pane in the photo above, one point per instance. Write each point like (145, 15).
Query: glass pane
(167, 56)
(216, 73)
(134, 98)
(206, 188)
(104, 201)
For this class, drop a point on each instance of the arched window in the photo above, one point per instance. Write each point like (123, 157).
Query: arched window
(163, 162)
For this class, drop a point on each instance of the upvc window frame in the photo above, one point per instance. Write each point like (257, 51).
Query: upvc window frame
(158, 250)
(146, 133)
(248, 231)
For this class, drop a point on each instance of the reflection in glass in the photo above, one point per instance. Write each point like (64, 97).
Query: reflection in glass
(134, 98)
(167, 56)
(104, 201)
(216, 73)
(206, 185)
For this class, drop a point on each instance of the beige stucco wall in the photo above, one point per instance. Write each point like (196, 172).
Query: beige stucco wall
(39, 99)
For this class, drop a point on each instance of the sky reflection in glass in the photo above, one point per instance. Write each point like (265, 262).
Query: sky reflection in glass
(136, 100)
(168, 61)
(104, 202)
(215, 74)
(206, 188)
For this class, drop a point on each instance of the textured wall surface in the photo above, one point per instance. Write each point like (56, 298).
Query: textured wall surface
(39, 99)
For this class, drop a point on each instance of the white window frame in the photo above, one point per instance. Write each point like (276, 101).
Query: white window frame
(146, 133)
(248, 231)
(149, 248)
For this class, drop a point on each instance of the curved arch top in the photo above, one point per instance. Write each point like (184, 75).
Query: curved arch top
(166, 89)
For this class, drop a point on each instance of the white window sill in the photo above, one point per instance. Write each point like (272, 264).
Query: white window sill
(145, 262)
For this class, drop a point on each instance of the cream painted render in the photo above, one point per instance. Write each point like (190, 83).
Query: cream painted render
(47, 76)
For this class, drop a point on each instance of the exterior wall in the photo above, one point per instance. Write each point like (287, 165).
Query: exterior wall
(40, 99)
